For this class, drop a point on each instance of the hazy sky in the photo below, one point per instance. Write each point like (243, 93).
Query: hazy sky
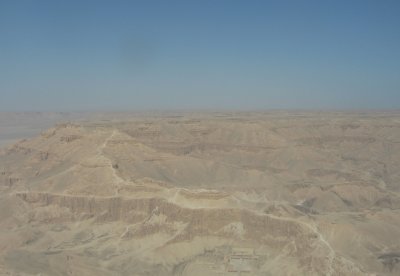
(93, 55)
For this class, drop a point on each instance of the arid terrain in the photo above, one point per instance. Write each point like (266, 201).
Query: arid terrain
(217, 193)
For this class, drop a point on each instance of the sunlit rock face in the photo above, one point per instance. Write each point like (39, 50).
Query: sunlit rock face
(278, 193)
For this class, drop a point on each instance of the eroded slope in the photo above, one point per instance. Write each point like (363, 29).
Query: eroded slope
(278, 194)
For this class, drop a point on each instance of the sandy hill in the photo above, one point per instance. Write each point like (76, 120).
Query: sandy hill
(278, 193)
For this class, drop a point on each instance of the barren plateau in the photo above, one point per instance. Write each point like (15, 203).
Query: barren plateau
(217, 193)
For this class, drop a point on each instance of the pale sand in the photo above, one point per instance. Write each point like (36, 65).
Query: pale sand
(279, 193)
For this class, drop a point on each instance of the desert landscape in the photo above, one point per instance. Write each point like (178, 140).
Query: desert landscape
(199, 138)
(202, 193)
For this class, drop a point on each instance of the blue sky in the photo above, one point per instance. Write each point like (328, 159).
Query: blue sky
(134, 55)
